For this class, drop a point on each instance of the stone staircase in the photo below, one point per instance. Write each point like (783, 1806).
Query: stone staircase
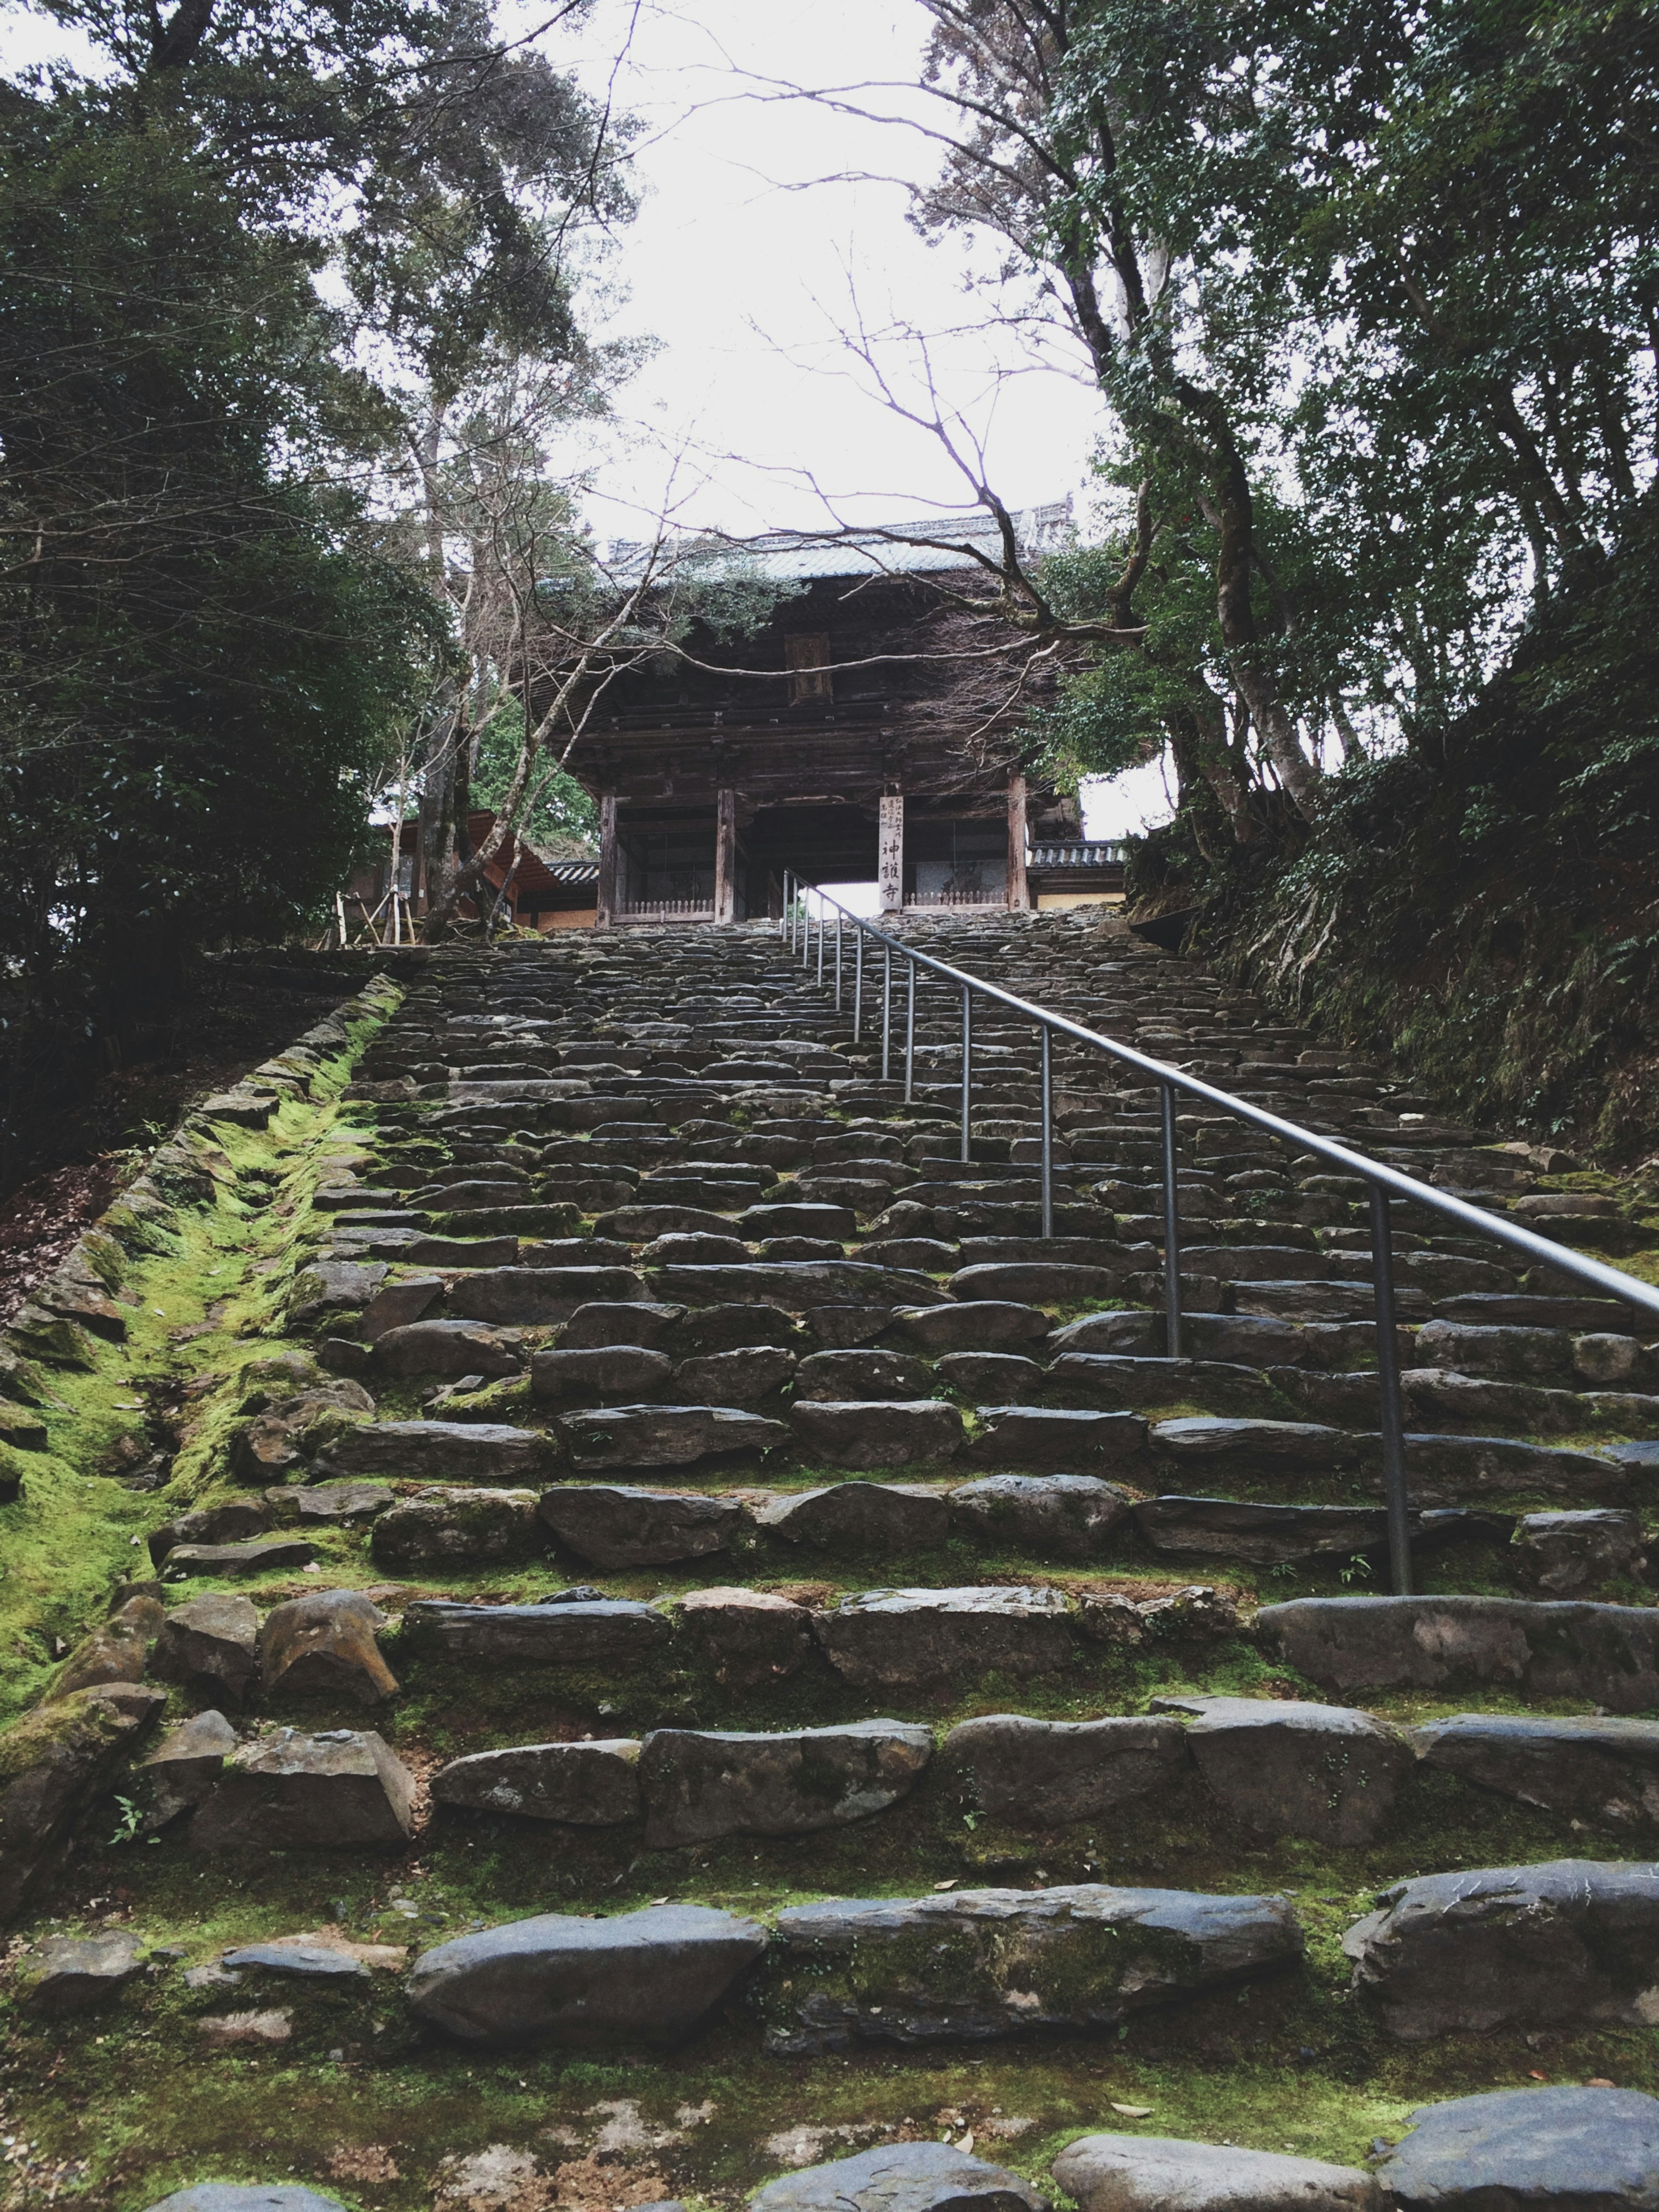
(693, 1567)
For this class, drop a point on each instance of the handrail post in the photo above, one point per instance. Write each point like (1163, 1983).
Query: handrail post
(857, 986)
(786, 921)
(820, 944)
(1048, 1093)
(1172, 1231)
(837, 959)
(910, 1041)
(967, 1067)
(886, 1010)
(1387, 1378)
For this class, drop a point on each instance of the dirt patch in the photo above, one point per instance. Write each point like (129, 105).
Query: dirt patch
(363, 2162)
(41, 1222)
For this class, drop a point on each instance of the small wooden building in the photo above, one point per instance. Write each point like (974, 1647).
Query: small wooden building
(542, 891)
(868, 730)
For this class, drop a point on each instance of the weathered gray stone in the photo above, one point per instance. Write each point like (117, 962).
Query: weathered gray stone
(612, 1526)
(846, 1327)
(323, 1644)
(846, 1377)
(1137, 1385)
(269, 1447)
(992, 1377)
(697, 1785)
(647, 1225)
(983, 1325)
(742, 1377)
(438, 1451)
(910, 2177)
(1047, 1435)
(1046, 1774)
(618, 1373)
(984, 1963)
(394, 1305)
(215, 1638)
(311, 1962)
(485, 1526)
(288, 1791)
(747, 1636)
(1596, 1767)
(1289, 1769)
(446, 1348)
(1568, 1943)
(1265, 1445)
(711, 1329)
(1032, 1282)
(55, 1763)
(536, 1296)
(1189, 1612)
(1266, 1535)
(881, 1640)
(333, 1286)
(663, 1436)
(1132, 1334)
(211, 1524)
(635, 1321)
(835, 1224)
(1566, 1554)
(590, 1785)
(860, 1516)
(1158, 2173)
(185, 1765)
(605, 1633)
(331, 1503)
(1563, 2149)
(235, 2197)
(257, 1556)
(68, 1974)
(1598, 1655)
(1071, 1516)
(650, 1976)
(1456, 1470)
(114, 1652)
(877, 1433)
(794, 1285)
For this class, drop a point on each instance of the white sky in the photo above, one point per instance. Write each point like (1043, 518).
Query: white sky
(742, 264)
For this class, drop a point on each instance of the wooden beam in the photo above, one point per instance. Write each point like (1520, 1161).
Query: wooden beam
(605, 899)
(889, 852)
(1019, 893)
(726, 855)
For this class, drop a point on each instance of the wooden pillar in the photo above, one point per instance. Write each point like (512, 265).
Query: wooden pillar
(889, 852)
(726, 856)
(605, 899)
(1020, 892)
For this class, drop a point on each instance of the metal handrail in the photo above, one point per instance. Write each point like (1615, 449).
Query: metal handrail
(1383, 1182)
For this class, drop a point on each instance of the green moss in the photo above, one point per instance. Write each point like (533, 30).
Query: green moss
(197, 1293)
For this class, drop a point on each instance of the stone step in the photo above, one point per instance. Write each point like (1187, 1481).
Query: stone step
(1605, 1655)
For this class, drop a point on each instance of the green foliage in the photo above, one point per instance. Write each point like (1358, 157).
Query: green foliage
(1489, 912)
(212, 645)
(1369, 289)
(561, 817)
(201, 646)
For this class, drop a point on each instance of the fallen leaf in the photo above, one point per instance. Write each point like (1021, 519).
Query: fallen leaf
(967, 2142)
(944, 1885)
(1533, 2075)
(1134, 2112)
(1598, 2081)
